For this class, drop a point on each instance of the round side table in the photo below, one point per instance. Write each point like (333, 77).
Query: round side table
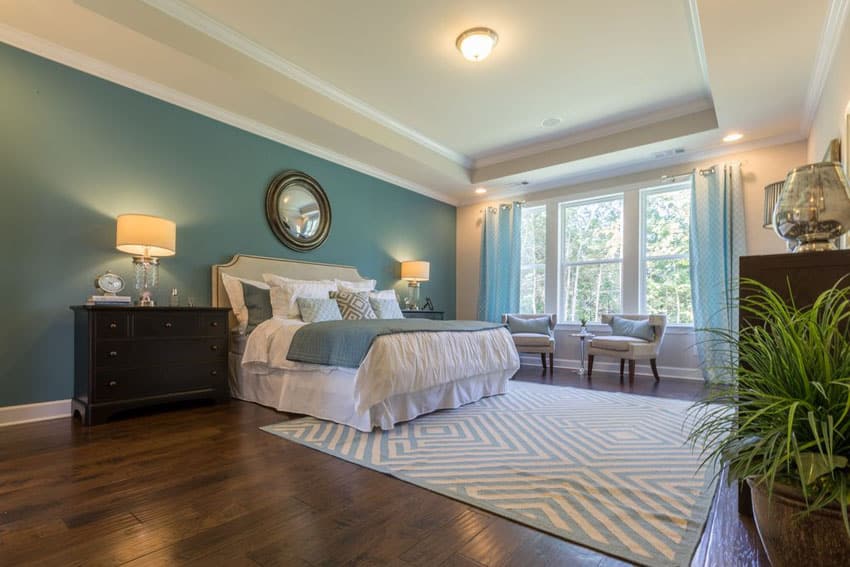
(582, 338)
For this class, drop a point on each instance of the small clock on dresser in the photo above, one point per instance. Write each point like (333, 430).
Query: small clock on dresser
(127, 357)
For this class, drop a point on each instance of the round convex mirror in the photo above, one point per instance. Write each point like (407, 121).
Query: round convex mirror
(298, 210)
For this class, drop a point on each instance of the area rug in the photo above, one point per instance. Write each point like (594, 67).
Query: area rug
(608, 471)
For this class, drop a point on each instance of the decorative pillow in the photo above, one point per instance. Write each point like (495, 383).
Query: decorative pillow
(285, 292)
(384, 294)
(386, 308)
(315, 309)
(233, 288)
(537, 325)
(258, 303)
(628, 328)
(354, 305)
(362, 285)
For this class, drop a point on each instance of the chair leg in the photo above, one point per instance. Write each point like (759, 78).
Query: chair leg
(551, 362)
(622, 364)
(589, 365)
(631, 371)
(543, 359)
(654, 369)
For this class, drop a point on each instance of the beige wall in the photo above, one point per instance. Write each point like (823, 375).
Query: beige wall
(677, 358)
(830, 118)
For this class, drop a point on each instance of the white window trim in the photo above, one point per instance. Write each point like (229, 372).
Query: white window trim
(631, 262)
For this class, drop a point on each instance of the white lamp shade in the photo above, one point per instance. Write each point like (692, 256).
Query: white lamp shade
(416, 271)
(145, 235)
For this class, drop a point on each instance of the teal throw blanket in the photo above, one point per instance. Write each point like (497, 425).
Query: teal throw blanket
(345, 343)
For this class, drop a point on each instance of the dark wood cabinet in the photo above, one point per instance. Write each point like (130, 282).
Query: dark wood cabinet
(130, 357)
(412, 314)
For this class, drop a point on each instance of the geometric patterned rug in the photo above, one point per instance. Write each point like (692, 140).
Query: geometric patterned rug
(604, 470)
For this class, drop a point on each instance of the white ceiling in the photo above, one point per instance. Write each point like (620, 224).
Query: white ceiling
(379, 86)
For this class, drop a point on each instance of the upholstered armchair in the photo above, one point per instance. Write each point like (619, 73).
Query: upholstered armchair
(536, 342)
(628, 347)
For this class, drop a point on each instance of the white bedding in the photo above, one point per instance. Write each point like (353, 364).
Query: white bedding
(396, 364)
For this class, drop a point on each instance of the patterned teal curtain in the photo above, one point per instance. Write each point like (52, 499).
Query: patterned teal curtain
(498, 290)
(718, 239)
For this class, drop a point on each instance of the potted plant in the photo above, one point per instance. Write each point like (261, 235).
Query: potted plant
(785, 425)
(583, 328)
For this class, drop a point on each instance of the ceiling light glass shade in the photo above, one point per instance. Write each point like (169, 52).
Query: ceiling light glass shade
(814, 207)
(733, 137)
(145, 235)
(476, 44)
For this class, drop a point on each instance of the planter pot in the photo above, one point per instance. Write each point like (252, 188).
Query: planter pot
(818, 539)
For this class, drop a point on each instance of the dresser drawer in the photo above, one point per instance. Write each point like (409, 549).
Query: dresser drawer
(114, 354)
(156, 324)
(196, 376)
(184, 351)
(111, 325)
(213, 324)
(123, 384)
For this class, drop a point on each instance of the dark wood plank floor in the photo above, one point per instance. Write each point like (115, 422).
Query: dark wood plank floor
(204, 486)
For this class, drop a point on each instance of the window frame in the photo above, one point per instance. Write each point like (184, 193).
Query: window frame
(642, 259)
(545, 264)
(561, 205)
(632, 301)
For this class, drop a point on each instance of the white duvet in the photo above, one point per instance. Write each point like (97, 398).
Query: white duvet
(396, 364)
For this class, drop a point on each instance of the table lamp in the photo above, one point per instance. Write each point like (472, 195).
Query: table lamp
(147, 238)
(414, 272)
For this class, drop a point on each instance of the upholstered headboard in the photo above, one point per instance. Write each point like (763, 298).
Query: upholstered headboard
(253, 268)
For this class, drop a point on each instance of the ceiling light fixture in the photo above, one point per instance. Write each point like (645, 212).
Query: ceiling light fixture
(481, 190)
(551, 122)
(732, 137)
(476, 43)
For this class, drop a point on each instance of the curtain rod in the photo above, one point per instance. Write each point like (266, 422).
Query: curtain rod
(703, 172)
(506, 205)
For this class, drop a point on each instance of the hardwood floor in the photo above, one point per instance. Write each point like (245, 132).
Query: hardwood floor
(204, 486)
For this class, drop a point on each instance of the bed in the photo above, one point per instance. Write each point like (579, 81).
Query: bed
(401, 377)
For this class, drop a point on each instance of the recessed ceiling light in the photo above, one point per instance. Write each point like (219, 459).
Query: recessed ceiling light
(481, 190)
(732, 137)
(551, 122)
(476, 43)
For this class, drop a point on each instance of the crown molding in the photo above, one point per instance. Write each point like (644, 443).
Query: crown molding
(70, 58)
(643, 119)
(203, 23)
(696, 30)
(830, 37)
(602, 173)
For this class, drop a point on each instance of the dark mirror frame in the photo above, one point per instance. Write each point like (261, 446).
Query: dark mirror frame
(278, 185)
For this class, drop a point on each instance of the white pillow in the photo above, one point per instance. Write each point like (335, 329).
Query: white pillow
(362, 285)
(276, 280)
(233, 287)
(384, 294)
(284, 298)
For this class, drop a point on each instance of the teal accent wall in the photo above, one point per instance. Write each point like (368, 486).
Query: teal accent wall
(77, 151)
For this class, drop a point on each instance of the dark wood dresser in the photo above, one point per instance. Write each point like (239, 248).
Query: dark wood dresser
(129, 357)
(412, 314)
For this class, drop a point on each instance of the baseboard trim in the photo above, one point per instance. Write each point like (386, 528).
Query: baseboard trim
(642, 369)
(27, 413)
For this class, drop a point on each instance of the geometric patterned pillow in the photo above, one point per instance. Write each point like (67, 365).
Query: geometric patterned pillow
(354, 305)
(316, 309)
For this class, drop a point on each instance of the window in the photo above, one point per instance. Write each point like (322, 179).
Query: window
(532, 298)
(591, 258)
(665, 267)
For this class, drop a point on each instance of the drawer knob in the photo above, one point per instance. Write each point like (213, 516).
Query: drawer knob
(113, 383)
(168, 324)
(214, 323)
(113, 325)
(213, 372)
(113, 353)
(214, 347)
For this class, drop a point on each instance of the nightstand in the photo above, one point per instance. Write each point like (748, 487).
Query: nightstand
(412, 314)
(130, 357)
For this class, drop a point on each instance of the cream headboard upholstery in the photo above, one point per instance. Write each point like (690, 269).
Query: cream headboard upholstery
(253, 268)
